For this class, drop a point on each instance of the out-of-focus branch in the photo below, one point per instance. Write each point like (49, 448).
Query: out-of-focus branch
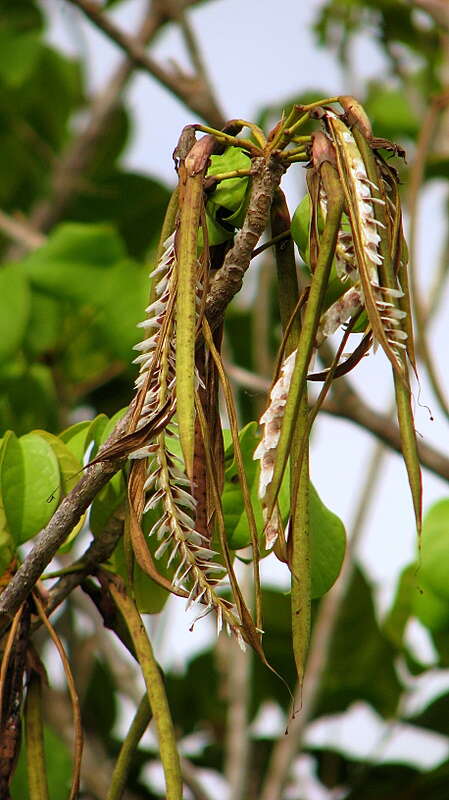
(23, 233)
(346, 403)
(190, 90)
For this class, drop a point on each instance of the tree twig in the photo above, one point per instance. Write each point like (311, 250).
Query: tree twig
(190, 90)
(23, 233)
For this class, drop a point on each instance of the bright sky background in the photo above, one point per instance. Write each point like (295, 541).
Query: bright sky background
(257, 56)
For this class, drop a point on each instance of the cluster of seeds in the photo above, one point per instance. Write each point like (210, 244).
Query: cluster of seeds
(167, 483)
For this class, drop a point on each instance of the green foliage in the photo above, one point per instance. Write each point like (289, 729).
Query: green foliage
(68, 316)
(361, 659)
(30, 484)
(15, 294)
(226, 204)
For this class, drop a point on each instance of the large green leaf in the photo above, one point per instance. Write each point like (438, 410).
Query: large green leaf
(45, 328)
(69, 465)
(327, 544)
(74, 263)
(14, 310)
(30, 484)
(79, 436)
(361, 659)
(390, 112)
(7, 545)
(18, 56)
(138, 220)
(28, 399)
(434, 562)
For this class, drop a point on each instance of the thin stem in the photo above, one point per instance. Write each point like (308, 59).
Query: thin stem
(129, 746)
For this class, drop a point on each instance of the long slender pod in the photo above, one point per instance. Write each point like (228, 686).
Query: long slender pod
(155, 688)
(361, 194)
(309, 328)
(119, 777)
(186, 245)
(401, 381)
(299, 536)
(299, 546)
(34, 732)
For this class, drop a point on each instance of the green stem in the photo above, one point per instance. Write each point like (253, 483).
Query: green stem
(308, 332)
(155, 689)
(300, 566)
(233, 141)
(128, 749)
(36, 770)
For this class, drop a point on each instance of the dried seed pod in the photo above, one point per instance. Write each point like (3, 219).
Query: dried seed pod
(361, 195)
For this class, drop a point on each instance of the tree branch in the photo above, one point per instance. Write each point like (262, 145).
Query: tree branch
(347, 404)
(190, 90)
(22, 233)
(229, 278)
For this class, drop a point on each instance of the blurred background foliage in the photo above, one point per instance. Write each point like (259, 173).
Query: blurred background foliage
(77, 231)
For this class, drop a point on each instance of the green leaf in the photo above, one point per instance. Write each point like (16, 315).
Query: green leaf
(327, 544)
(7, 545)
(300, 228)
(361, 659)
(30, 484)
(138, 220)
(396, 620)
(124, 296)
(431, 609)
(236, 522)
(14, 310)
(74, 262)
(99, 708)
(58, 764)
(45, 327)
(28, 399)
(434, 564)
(229, 193)
(390, 112)
(79, 436)
(69, 465)
(150, 598)
(112, 495)
(226, 205)
(18, 57)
